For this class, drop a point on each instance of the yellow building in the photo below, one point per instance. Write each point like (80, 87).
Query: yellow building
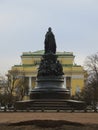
(74, 75)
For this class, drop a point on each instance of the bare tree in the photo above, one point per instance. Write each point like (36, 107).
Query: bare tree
(13, 88)
(17, 84)
(21, 87)
(4, 96)
(12, 77)
(91, 89)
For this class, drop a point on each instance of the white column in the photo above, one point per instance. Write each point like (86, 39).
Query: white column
(30, 84)
(65, 81)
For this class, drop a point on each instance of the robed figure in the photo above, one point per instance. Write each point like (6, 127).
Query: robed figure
(50, 44)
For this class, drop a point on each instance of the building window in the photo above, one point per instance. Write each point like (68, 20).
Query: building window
(78, 90)
(68, 82)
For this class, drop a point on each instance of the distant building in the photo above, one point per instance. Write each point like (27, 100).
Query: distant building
(74, 75)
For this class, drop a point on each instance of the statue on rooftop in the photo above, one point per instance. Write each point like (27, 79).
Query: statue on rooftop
(50, 44)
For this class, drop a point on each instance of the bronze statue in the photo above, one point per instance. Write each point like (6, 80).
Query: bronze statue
(50, 44)
(49, 65)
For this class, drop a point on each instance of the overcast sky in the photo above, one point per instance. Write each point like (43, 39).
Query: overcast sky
(23, 24)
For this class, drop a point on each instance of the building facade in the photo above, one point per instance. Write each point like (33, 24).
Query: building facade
(74, 75)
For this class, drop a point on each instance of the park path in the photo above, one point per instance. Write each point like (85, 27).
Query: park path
(13, 117)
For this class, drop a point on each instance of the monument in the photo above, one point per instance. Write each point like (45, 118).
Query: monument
(49, 92)
(50, 80)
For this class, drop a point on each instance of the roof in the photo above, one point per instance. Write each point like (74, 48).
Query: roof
(41, 52)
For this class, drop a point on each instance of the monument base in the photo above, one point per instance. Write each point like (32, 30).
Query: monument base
(49, 87)
(50, 94)
(50, 104)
